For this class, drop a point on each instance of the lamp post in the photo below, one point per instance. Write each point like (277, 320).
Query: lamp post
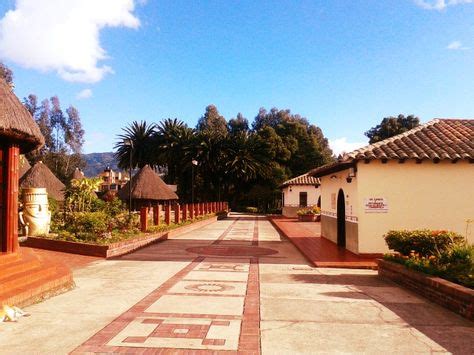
(193, 163)
(129, 142)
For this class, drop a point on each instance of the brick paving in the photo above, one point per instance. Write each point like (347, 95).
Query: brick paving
(234, 286)
(212, 314)
(306, 236)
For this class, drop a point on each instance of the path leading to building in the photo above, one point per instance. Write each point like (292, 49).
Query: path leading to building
(235, 285)
(306, 236)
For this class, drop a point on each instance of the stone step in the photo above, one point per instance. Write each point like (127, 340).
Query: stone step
(18, 266)
(20, 279)
(44, 286)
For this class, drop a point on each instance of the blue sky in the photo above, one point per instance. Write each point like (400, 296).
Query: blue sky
(342, 64)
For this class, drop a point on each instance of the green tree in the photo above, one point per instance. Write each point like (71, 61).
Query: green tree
(136, 140)
(6, 74)
(173, 140)
(64, 136)
(391, 126)
(238, 124)
(212, 122)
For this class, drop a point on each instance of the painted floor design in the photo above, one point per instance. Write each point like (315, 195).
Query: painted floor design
(212, 304)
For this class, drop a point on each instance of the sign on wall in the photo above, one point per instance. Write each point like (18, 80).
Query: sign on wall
(375, 205)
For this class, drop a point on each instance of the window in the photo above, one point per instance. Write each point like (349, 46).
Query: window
(303, 199)
(283, 199)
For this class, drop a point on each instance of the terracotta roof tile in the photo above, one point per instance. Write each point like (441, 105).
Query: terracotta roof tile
(443, 139)
(439, 139)
(304, 179)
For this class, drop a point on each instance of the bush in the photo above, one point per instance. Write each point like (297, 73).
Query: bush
(251, 209)
(90, 222)
(440, 253)
(423, 242)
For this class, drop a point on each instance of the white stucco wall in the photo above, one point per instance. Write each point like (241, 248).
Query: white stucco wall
(330, 186)
(433, 196)
(292, 198)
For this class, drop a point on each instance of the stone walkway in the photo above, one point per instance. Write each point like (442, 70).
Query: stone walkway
(234, 285)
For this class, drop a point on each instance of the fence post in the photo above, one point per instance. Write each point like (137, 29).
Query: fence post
(185, 212)
(177, 214)
(144, 219)
(191, 210)
(156, 215)
(168, 214)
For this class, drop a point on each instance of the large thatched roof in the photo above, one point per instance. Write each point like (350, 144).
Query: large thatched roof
(40, 176)
(147, 185)
(16, 122)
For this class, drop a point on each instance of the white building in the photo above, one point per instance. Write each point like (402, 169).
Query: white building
(299, 192)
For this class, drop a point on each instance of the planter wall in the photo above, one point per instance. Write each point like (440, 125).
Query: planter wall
(114, 249)
(308, 218)
(455, 297)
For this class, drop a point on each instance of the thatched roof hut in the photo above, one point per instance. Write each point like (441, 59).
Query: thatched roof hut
(24, 166)
(77, 174)
(16, 123)
(147, 188)
(40, 176)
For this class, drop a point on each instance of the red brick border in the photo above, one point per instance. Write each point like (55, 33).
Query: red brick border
(114, 249)
(455, 297)
(249, 340)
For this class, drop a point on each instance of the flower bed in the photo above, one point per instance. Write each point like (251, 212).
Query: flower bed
(455, 297)
(309, 214)
(438, 253)
(129, 243)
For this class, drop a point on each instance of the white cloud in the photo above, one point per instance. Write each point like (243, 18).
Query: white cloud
(63, 36)
(84, 94)
(456, 45)
(341, 145)
(440, 4)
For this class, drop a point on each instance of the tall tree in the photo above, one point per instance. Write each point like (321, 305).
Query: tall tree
(212, 122)
(74, 136)
(238, 124)
(6, 74)
(137, 142)
(172, 143)
(391, 126)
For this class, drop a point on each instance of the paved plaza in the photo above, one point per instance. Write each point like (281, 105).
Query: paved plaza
(232, 286)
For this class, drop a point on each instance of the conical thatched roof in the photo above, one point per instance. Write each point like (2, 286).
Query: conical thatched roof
(24, 166)
(78, 174)
(16, 122)
(147, 185)
(40, 176)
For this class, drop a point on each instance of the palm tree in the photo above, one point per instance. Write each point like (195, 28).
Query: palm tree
(136, 142)
(172, 143)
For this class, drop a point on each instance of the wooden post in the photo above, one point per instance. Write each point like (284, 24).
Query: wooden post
(144, 219)
(10, 168)
(168, 214)
(185, 212)
(191, 210)
(177, 214)
(156, 215)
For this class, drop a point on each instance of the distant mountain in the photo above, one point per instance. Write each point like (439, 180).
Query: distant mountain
(97, 162)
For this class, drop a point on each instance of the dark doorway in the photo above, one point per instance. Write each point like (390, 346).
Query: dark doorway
(341, 219)
(303, 199)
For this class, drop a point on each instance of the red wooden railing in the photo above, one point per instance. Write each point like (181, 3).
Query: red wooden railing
(184, 212)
